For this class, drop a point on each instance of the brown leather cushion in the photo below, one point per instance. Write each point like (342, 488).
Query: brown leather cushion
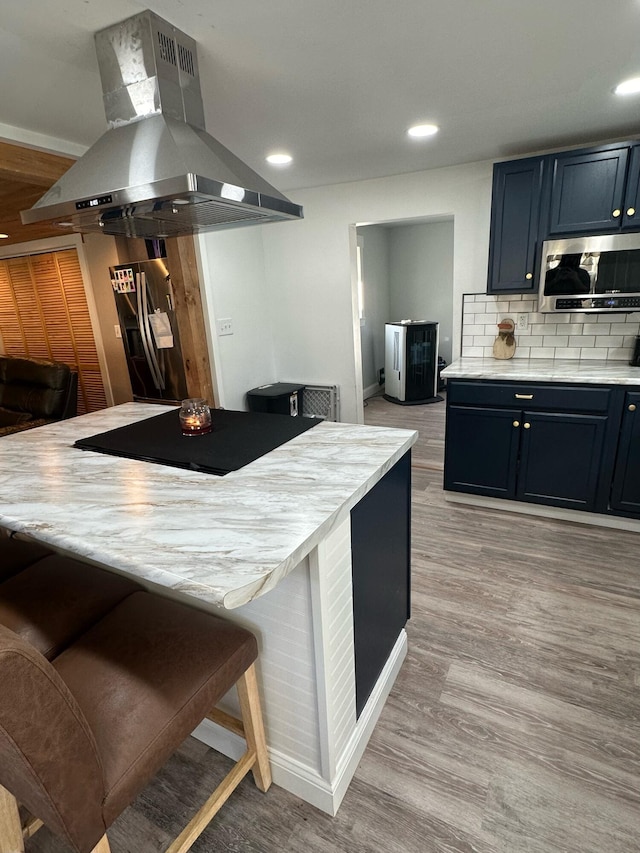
(144, 677)
(48, 756)
(16, 555)
(34, 385)
(55, 600)
(10, 418)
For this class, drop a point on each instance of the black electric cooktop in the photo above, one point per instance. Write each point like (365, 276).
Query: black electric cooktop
(237, 438)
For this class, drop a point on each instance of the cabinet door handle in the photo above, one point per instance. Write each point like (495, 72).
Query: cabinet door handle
(516, 423)
(631, 211)
(527, 426)
(523, 396)
(616, 213)
(632, 407)
(529, 276)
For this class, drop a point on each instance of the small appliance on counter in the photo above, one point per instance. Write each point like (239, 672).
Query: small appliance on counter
(635, 358)
(277, 398)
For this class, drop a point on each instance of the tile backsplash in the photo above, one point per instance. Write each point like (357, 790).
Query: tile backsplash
(609, 337)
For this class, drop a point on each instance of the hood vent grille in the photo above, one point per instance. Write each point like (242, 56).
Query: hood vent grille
(156, 172)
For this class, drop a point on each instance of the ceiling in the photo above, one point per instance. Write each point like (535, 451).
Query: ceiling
(337, 82)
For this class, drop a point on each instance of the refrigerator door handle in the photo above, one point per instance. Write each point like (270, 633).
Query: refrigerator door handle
(143, 326)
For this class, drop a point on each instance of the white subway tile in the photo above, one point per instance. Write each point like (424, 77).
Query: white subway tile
(595, 329)
(608, 340)
(537, 317)
(485, 297)
(474, 308)
(567, 352)
(474, 352)
(487, 351)
(543, 352)
(629, 341)
(582, 340)
(523, 333)
(603, 318)
(522, 352)
(483, 340)
(562, 318)
(555, 341)
(619, 329)
(573, 329)
(543, 329)
(534, 341)
(473, 329)
(467, 340)
(632, 318)
(595, 352)
(618, 354)
(527, 305)
(502, 305)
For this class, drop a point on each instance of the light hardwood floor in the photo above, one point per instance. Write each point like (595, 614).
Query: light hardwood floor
(514, 726)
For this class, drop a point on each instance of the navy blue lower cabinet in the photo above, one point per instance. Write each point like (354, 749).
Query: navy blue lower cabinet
(481, 450)
(381, 547)
(625, 492)
(560, 459)
(540, 443)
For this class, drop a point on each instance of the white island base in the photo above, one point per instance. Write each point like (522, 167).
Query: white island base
(305, 633)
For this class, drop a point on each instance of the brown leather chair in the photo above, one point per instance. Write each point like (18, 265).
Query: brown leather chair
(82, 734)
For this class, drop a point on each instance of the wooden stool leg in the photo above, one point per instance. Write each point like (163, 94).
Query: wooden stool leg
(10, 828)
(102, 846)
(254, 727)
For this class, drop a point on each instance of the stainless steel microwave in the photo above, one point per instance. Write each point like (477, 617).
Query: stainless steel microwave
(597, 275)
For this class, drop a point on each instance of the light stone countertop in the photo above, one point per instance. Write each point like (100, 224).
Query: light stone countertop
(588, 371)
(225, 540)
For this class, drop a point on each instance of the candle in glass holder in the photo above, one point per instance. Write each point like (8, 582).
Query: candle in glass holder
(195, 417)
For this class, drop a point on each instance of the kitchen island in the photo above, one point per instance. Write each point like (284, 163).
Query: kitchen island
(281, 525)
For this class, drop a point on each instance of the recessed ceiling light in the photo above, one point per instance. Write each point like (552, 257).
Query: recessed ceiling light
(4, 236)
(279, 159)
(418, 131)
(628, 87)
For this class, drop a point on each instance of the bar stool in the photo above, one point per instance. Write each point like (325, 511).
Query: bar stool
(83, 733)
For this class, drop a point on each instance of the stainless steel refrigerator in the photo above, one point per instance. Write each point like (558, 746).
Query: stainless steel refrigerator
(146, 309)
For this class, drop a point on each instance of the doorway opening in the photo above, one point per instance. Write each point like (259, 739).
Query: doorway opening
(405, 272)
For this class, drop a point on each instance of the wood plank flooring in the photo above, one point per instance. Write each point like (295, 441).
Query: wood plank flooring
(514, 726)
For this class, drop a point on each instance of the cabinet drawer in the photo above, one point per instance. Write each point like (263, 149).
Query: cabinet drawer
(566, 398)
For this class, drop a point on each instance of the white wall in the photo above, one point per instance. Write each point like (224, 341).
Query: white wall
(310, 276)
(421, 276)
(232, 274)
(375, 275)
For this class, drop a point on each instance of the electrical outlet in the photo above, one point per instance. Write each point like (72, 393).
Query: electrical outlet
(523, 321)
(117, 330)
(225, 327)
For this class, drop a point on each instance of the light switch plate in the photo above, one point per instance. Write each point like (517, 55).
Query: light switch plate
(225, 327)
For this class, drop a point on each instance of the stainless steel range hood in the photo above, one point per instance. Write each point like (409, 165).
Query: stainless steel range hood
(156, 172)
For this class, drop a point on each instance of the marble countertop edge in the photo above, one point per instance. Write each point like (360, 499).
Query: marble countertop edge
(587, 371)
(315, 480)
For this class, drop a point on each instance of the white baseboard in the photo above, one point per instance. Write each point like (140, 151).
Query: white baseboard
(372, 390)
(306, 782)
(557, 512)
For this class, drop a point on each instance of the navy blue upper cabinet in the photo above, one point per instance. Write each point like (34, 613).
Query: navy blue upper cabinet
(630, 212)
(515, 217)
(588, 190)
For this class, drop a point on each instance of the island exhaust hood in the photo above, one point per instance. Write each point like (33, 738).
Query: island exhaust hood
(156, 172)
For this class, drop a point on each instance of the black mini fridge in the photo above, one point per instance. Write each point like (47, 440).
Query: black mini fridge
(277, 398)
